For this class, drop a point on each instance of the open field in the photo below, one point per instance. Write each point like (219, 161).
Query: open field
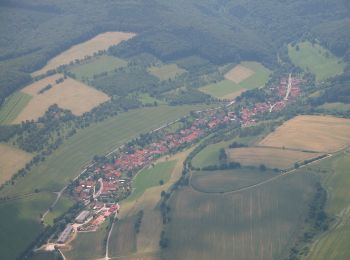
(20, 223)
(270, 157)
(228, 180)
(64, 203)
(151, 177)
(334, 244)
(11, 160)
(70, 94)
(14, 104)
(339, 107)
(246, 76)
(260, 223)
(313, 133)
(316, 59)
(146, 99)
(100, 42)
(167, 71)
(95, 66)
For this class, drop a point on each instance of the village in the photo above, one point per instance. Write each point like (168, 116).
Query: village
(109, 179)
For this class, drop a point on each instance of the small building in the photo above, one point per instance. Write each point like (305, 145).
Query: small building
(65, 234)
(82, 216)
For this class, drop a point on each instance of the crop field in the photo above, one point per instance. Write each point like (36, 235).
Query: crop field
(260, 223)
(151, 177)
(11, 160)
(334, 244)
(270, 157)
(98, 65)
(165, 72)
(14, 104)
(101, 42)
(228, 180)
(316, 59)
(20, 223)
(246, 76)
(312, 133)
(70, 94)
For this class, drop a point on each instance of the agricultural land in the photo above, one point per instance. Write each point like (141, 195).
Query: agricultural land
(166, 72)
(13, 107)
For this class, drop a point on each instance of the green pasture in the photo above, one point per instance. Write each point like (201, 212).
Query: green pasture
(167, 71)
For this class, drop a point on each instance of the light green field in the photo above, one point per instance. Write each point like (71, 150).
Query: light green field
(97, 66)
(150, 177)
(316, 59)
(334, 244)
(146, 99)
(229, 89)
(61, 207)
(20, 223)
(339, 107)
(165, 72)
(13, 106)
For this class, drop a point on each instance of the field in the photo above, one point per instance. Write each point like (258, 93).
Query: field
(20, 223)
(101, 42)
(246, 76)
(146, 99)
(259, 223)
(270, 157)
(334, 244)
(64, 203)
(151, 177)
(11, 160)
(96, 66)
(14, 104)
(228, 180)
(70, 94)
(165, 72)
(339, 107)
(316, 59)
(313, 133)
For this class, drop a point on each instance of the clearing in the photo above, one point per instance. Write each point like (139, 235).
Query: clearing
(70, 94)
(13, 105)
(311, 133)
(77, 52)
(270, 157)
(165, 72)
(316, 59)
(238, 74)
(11, 160)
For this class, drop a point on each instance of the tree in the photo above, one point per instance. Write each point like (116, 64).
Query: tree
(161, 182)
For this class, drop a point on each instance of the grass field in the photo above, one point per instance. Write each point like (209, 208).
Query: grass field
(20, 223)
(70, 94)
(165, 72)
(228, 180)
(146, 99)
(317, 133)
(151, 177)
(100, 42)
(97, 66)
(339, 107)
(61, 207)
(246, 76)
(334, 244)
(270, 157)
(13, 105)
(316, 59)
(11, 160)
(260, 223)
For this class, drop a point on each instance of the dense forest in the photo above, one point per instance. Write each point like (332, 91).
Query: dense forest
(219, 31)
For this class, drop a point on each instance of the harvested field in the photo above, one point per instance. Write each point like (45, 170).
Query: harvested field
(70, 94)
(11, 160)
(100, 42)
(271, 157)
(239, 73)
(312, 133)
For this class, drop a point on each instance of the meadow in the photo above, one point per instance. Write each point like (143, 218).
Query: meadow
(316, 59)
(259, 223)
(339, 107)
(166, 72)
(312, 133)
(64, 203)
(77, 52)
(13, 105)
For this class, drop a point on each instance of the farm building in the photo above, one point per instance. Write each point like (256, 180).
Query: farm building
(82, 216)
(65, 234)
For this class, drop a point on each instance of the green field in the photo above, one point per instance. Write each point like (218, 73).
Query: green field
(151, 177)
(209, 155)
(259, 223)
(61, 207)
(339, 107)
(13, 106)
(228, 180)
(334, 244)
(97, 66)
(229, 89)
(20, 223)
(146, 99)
(165, 72)
(316, 59)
